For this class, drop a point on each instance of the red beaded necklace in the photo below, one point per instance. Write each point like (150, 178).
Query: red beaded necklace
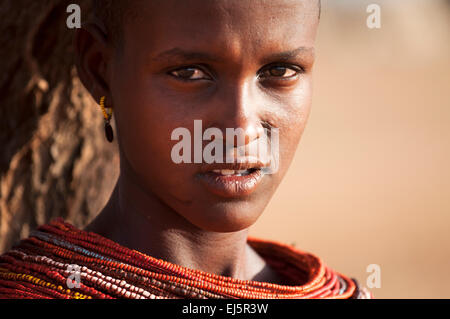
(38, 268)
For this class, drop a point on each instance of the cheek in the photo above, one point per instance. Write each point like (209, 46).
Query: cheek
(144, 126)
(299, 106)
(141, 131)
(291, 121)
(144, 120)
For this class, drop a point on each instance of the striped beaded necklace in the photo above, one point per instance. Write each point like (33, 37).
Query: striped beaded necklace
(39, 267)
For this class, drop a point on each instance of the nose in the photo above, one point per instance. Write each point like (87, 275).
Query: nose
(239, 110)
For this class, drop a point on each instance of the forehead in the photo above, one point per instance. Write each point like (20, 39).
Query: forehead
(223, 25)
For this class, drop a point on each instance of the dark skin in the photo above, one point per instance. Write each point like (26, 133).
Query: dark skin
(252, 65)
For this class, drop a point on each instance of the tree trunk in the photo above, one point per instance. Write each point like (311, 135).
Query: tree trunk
(54, 159)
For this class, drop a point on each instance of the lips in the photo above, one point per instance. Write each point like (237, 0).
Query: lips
(232, 180)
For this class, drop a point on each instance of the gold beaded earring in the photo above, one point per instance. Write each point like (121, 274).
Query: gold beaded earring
(107, 116)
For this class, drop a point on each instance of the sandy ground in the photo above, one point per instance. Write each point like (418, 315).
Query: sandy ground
(370, 183)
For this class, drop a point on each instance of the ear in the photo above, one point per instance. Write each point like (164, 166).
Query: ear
(92, 54)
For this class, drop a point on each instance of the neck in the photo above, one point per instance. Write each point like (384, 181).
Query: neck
(140, 221)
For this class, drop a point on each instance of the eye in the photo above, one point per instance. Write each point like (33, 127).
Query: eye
(279, 71)
(190, 74)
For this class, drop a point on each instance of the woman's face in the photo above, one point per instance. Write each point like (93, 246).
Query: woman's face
(231, 64)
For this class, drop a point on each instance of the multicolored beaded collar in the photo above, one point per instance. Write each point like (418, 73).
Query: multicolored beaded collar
(42, 266)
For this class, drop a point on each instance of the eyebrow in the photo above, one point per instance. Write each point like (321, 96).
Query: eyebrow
(178, 53)
(292, 54)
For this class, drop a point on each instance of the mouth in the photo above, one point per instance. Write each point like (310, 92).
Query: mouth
(232, 172)
(232, 181)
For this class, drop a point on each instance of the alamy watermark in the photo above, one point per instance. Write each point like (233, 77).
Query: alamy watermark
(258, 146)
(374, 279)
(74, 278)
(373, 21)
(73, 20)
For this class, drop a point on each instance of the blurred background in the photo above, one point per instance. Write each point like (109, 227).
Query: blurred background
(370, 183)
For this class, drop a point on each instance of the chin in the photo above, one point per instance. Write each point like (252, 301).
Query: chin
(225, 217)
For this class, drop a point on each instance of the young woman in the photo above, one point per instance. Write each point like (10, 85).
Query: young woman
(179, 228)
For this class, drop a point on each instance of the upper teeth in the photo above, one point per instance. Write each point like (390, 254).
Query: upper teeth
(230, 172)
